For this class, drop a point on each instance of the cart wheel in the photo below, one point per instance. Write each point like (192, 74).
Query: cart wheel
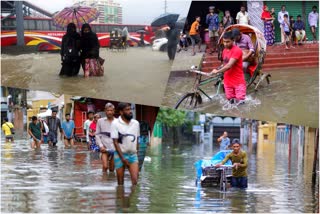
(189, 101)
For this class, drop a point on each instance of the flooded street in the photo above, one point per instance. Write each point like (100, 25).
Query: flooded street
(70, 180)
(291, 97)
(136, 75)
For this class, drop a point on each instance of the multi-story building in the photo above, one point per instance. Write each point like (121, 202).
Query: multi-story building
(110, 11)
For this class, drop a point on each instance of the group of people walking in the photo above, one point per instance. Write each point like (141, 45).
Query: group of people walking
(80, 50)
(117, 139)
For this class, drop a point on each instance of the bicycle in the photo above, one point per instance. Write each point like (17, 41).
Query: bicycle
(191, 99)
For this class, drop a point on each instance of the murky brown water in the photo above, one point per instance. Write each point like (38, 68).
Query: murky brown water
(136, 75)
(71, 181)
(292, 97)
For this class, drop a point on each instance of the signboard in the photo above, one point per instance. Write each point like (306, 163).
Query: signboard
(197, 128)
(202, 118)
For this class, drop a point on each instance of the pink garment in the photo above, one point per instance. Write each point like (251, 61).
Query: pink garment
(93, 68)
(238, 91)
(93, 127)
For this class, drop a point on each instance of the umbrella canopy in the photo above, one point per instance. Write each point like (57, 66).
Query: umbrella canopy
(77, 15)
(140, 31)
(45, 114)
(164, 19)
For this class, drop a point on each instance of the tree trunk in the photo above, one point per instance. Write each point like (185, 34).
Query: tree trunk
(175, 136)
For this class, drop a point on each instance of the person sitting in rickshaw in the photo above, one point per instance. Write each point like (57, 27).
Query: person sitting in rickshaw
(244, 42)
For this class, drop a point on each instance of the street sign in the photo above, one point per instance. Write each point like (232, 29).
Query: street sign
(196, 128)
(202, 118)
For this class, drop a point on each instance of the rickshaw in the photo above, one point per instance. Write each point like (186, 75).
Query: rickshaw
(255, 75)
(118, 39)
(210, 176)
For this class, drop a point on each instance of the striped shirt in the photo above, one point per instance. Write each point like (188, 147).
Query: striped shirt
(54, 124)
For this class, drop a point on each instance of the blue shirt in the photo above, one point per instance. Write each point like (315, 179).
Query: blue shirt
(225, 142)
(68, 127)
(298, 25)
(213, 21)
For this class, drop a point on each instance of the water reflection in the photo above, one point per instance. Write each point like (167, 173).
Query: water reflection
(71, 180)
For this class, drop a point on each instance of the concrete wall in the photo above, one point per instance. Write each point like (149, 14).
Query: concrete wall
(255, 10)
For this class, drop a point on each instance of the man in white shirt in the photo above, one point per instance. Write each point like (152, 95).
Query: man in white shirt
(243, 16)
(86, 126)
(313, 22)
(104, 140)
(125, 132)
(280, 20)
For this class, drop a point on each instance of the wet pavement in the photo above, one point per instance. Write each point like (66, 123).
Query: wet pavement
(292, 97)
(184, 59)
(70, 180)
(136, 75)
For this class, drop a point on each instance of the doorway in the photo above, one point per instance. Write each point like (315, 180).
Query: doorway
(200, 8)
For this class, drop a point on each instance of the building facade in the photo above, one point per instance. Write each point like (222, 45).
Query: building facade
(110, 11)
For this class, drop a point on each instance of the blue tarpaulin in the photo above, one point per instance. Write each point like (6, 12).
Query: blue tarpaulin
(217, 158)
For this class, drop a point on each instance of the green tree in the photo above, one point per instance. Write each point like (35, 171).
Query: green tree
(172, 118)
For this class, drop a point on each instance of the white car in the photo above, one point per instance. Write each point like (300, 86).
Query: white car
(160, 44)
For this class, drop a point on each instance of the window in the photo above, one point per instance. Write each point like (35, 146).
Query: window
(31, 24)
(45, 25)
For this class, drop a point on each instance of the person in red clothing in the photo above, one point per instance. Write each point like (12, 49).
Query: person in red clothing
(92, 133)
(234, 81)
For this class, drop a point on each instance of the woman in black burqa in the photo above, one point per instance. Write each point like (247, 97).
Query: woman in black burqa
(89, 44)
(70, 51)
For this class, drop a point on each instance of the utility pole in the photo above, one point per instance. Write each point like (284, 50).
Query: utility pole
(19, 21)
(165, 6)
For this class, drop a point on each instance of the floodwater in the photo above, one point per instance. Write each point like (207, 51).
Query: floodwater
(136, 75)
(71, 181)
(292, 97)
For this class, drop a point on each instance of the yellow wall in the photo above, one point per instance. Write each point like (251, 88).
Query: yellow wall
(267, 132)
(36, 108)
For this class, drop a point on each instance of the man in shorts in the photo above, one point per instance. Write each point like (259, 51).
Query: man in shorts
(54, 124)
(313, 19)
(104, 140)
(125, 132)
(35, 131)
(239, 160)
(212, 21)
(68, 131)
(86, 126)
(234, 82)
(195, 35)
(6, 128)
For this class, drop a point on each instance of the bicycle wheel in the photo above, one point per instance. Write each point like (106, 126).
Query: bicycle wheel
(189, 101)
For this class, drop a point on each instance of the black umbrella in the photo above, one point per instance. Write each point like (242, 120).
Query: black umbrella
(140, 31)
(164, 19)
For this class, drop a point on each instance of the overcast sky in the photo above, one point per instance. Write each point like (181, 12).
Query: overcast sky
(134, 11)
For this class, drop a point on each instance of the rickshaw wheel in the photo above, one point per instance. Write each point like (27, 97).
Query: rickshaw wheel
(189, 101)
